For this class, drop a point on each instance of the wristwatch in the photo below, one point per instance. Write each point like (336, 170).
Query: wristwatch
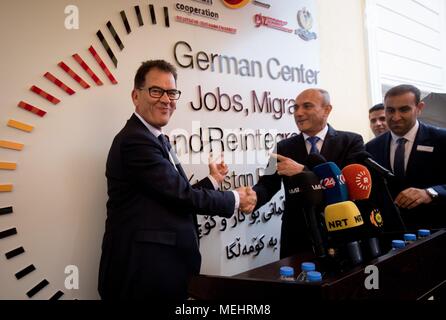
(432, 193)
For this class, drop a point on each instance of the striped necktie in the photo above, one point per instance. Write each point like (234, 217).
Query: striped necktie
(313, 141)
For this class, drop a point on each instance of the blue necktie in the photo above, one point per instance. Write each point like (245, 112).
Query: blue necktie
(398, 163)
(313, 141)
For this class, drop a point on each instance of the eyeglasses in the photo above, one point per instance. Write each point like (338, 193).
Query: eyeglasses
(157, 92)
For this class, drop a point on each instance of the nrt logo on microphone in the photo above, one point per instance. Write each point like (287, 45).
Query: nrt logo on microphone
(330, 182)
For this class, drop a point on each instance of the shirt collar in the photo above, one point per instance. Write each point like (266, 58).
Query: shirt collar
(409, 136)
(321, 134)
(156, 132)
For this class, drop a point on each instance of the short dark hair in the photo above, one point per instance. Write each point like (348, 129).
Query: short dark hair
(402, 89)
(146, 66)
(376, 107)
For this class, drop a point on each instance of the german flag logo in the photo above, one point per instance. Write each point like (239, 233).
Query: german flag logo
(235, 4)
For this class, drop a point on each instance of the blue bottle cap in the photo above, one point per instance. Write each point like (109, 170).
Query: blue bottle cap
(313, 276)
(287, 271)
(410, 237)
(423, 232)
(398, 244)
(307, 266)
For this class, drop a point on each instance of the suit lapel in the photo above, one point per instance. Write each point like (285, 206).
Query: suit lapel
(386, 151)
(165, 152)
(301, 149)
(329, 145)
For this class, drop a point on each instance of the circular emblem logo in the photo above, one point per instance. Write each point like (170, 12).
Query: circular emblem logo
(304, 19)
(363, 181)
(376, 218)
(235, 4)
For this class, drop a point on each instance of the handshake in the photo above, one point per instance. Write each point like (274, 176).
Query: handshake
(248, 199)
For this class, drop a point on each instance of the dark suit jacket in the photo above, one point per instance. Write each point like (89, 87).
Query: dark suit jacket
(424, 170)
(150, 247)
(339, 147)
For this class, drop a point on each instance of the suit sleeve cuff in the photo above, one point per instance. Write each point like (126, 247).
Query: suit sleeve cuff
(237, 201)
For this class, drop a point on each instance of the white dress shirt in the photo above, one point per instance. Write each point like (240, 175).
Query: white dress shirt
(321, 135)
(410, 137)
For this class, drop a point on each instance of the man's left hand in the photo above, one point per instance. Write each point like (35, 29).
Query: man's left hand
(412, 197)
(218, 170)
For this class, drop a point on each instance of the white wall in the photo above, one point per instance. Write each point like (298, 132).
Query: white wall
(407, 44)
(59, 186)
(344, 63)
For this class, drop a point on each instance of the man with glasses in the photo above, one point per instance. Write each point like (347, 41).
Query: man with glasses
(311, 112)
(150, 247)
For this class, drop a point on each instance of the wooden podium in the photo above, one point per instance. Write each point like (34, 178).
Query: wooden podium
(414, 273)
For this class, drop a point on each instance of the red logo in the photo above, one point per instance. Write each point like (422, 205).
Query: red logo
(328, 183)
(235, 4)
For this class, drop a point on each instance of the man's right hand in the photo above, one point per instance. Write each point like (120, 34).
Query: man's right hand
(287, 166)
(248, 199)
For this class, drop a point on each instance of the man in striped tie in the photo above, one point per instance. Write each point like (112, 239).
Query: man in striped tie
(311, 110)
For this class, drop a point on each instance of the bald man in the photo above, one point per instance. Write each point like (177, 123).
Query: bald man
(311, 110)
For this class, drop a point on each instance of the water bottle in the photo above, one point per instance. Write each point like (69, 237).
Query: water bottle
(423, 233)
(305, 267)
(397, 244)
(287, 273)
(409, 238)
(314, 276)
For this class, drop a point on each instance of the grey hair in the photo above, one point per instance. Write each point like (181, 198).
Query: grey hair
(325, 96)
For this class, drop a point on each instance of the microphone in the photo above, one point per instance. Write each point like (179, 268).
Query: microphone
(314, 159)
(343, 221)
(342, 216)
(359, 185)
(332, 182)
(387, 201)
(366, 158)
(305, 188)
(358, 181)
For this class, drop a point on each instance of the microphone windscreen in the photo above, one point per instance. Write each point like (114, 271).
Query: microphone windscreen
(342, 215)
(358, 181)
(332, 182)
(314, 159)
(305, 187)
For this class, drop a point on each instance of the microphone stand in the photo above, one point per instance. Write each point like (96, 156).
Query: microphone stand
(395, 207)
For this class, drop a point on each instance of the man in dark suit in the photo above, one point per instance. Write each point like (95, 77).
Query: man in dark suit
(311, 112)
(416, 153)
(377, 119)
(150, 247)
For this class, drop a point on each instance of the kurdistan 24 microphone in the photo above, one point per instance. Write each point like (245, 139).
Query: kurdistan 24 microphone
(305, 189)
(344, 221)
(359, 184)
(332, 182)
